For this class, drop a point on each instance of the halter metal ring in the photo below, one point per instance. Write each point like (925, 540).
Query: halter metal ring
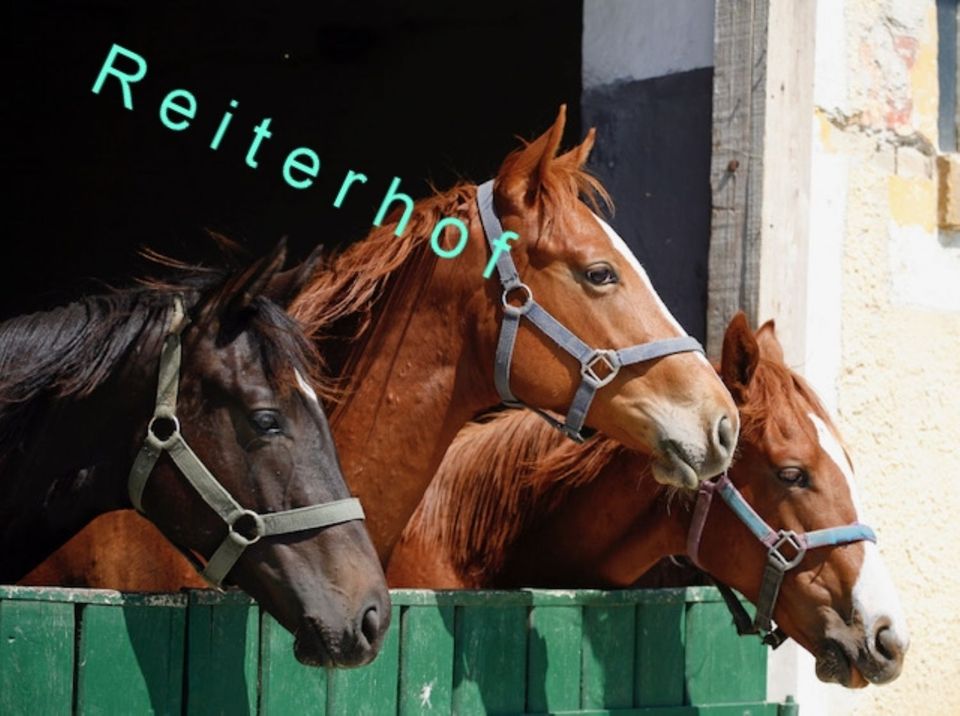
(512, 310)
(776, 557)
(153, 438)
(258, 528)
(606, 356)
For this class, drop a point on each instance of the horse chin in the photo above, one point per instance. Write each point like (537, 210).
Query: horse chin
(834, 666)
(670, 469)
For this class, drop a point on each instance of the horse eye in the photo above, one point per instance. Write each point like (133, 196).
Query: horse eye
(601, 275)
(266, 422)
(793, 476)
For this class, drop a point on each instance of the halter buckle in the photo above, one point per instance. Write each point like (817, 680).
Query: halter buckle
(608, 358)
(524, 307)
(259, 528)
(780, 560)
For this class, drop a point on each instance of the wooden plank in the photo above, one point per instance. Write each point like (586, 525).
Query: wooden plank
(489, 662)
(138, 647)
(36, 657)
(223, 644)
(286, 685)
(370, 690)
(736, 166)
(721, 666)
(761, 167)
(426, 660)
(661, 643)
(609, 648)
(554, 654)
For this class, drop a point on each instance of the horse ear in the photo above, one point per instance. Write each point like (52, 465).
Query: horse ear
(524, 171)
(770, 347)
(578, 155)
(740, 356)
(240, 292)
(285, 286)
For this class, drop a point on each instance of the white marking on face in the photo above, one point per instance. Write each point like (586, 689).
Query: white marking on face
(305, 387)
(621, 246)
(874, 595)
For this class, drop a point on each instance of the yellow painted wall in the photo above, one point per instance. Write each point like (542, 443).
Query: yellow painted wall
(898, 378)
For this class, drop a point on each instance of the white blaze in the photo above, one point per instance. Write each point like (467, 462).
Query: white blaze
(874, 596)
(621, 246)
(306, 388)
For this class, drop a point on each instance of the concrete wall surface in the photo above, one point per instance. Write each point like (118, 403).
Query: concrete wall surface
(883, 333)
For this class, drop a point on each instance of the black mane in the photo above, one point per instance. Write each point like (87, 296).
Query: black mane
(69, 352)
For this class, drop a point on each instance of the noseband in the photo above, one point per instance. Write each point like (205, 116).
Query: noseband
(590, 359)
(778, 563)
(163, 434)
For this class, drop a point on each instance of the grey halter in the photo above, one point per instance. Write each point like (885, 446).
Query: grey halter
(590, 359)
(163, 433)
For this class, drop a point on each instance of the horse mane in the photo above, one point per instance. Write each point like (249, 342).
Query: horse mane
(496, 476)
(502, 473)
(345, 300)
(69, 352)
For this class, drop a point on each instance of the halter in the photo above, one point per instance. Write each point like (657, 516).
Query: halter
(590, 359)
(778, 563)
(163, 433)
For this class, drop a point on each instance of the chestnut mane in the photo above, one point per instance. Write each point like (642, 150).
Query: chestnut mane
(347, 299)
(501, 474)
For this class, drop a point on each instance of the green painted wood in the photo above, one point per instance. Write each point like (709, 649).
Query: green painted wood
(426, 660)
(661, 634)
(609, 647)
(36, 657)
(744, 709)
(286, 685)
(370, 690)
(554, 654)
(222, 658)
(138, 647)
(489, 672)
(721, 667)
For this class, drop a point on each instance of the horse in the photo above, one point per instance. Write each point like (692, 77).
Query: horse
(228, 451)
(422, 344)
(513, 506)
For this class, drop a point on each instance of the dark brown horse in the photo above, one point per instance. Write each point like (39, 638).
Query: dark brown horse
(413, 339)
(237, 441)
(514, 506)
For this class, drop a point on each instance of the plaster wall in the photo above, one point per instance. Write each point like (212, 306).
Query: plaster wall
(883, 331)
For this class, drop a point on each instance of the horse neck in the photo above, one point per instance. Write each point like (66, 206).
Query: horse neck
(423, 374)
(606, 533)
(75, 462)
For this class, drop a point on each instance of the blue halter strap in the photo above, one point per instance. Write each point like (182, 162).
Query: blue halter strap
(785, 550)
(608, 361)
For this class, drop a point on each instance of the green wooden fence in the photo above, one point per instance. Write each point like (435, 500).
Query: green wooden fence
(669, 652)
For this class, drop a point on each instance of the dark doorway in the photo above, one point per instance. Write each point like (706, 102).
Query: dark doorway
(427, 91)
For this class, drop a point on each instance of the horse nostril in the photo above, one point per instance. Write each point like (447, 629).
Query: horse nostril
(370, 625)
(886, 644)
(725, 437)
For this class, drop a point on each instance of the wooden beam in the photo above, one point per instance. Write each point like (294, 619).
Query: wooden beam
(760, 169)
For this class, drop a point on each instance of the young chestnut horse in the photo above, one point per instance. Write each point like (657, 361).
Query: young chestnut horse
(79, 392)
(513, 506)
(414, 341)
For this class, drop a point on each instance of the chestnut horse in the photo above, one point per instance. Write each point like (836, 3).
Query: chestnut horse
(414, 339)
(228, 452)
(514, 506)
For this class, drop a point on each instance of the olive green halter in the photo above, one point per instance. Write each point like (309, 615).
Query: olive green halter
(163, 434)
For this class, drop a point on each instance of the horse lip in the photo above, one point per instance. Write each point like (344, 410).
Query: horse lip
(672, 462)
(315, 655)
(835, 665)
